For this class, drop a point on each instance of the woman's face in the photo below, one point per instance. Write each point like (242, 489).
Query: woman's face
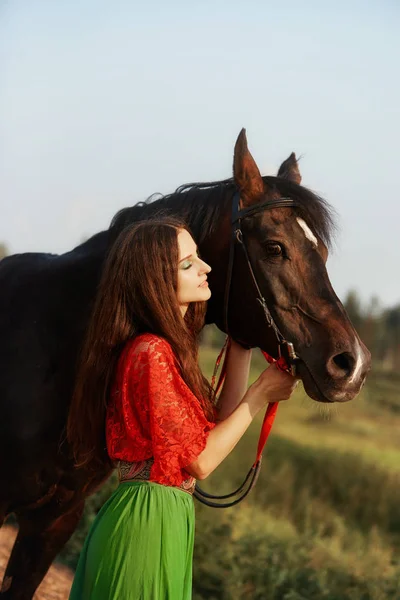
(192, 273)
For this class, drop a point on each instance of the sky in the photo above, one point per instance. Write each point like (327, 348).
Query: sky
(104, 103)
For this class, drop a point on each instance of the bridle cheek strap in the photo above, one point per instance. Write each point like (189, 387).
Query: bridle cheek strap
(286, 354)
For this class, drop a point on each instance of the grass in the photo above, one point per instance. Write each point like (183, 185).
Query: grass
(327, 503)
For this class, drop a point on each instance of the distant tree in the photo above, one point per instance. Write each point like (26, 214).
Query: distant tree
(353, 308)
(3, 250)
(372, 328)
(379, 329)
(392, 338)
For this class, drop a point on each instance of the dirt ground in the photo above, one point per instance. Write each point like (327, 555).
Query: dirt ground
(57, 583)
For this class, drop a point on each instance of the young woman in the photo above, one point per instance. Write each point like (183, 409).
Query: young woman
(142, 402)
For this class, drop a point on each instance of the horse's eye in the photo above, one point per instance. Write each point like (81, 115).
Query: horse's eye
(274, 249)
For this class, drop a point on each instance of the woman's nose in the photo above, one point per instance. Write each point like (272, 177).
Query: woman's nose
(204, 267)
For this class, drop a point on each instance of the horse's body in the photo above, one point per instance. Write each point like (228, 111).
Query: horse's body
(45, 302)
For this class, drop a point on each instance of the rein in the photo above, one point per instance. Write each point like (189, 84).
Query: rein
(286, 353)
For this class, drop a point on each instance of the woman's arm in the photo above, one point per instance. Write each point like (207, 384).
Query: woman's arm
(236, 380)
(272, 386)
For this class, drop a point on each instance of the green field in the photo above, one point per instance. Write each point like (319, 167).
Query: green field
(323, 522)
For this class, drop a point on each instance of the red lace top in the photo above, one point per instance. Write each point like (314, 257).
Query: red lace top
(152, 412)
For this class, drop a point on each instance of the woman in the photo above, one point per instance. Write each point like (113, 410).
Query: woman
(140, 376)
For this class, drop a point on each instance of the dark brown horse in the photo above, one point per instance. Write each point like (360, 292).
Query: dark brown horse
(45, 301)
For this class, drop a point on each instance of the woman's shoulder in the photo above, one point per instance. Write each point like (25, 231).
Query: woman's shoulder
(143, 353)
(148, 344)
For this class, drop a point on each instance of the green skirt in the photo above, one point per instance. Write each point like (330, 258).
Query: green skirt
(140, 546)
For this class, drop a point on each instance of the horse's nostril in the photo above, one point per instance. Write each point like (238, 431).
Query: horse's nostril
(344, 362)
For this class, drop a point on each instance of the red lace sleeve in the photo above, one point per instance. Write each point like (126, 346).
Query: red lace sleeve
(154, 413)
(178, 426)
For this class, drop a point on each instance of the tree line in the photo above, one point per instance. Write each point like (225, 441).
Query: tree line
(378, 327)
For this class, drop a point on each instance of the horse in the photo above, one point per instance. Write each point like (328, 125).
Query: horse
(45, 303)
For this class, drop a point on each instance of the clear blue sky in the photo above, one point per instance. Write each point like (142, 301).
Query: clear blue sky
(104, 103)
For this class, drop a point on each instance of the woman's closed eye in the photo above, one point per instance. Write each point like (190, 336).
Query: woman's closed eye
(186, 264)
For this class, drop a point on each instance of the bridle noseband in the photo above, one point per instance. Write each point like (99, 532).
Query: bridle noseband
(285, 348)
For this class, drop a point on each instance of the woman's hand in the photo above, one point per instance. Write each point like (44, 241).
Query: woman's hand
(272, 385)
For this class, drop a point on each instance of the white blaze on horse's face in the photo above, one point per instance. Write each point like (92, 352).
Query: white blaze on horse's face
(359, 363)
(307, 232)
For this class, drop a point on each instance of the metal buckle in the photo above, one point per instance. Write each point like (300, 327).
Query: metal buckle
(286, 351)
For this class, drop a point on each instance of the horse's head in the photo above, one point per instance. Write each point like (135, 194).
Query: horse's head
(288, 249)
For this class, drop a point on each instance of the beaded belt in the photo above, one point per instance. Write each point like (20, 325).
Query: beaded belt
(140, 471)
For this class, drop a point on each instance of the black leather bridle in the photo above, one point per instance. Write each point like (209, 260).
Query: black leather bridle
(285, 348)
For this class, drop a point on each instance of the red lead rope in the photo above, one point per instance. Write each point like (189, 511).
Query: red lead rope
(272, 408)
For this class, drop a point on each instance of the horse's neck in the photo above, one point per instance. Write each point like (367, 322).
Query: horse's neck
(85, 262)
(96, 245)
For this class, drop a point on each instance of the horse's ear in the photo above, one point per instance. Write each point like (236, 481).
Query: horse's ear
(289, 169)
(245, 172)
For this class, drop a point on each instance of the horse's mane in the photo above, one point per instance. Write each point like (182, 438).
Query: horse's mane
(320, 216)
(201, 205)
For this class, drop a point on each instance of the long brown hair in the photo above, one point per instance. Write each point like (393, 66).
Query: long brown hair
(137, 293)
